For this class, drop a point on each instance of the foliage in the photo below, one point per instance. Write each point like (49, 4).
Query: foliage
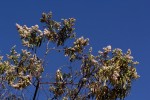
(106, 76)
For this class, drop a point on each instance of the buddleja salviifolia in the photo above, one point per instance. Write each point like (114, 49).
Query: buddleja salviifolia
(106, 76)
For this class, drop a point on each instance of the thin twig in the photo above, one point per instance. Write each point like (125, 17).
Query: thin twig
(57, 83)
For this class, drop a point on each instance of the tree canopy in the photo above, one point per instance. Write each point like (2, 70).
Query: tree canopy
(105, 76)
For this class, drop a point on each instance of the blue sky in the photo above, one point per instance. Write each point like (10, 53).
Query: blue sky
(121, 23)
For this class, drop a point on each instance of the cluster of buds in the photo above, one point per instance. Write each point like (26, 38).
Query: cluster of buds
(94, 62)
(78, 47)
(80, 43)
(133, 73)
(25, 53)
(67, 31)
(17, 81)
(58, 87)
(128, 55)
(46, 17)
(23, 82)
(94, 87)
(51, 36)
(35, 66)
(19, 69)
(14, 56)
(107, 49)
(69, 22)
(30, 36)
(55, 31)
(58, 32)
(57, 25)
(117, 52)
(115, 76)
(118, 70)
(57, 90)
(105, 54)
(59, 76)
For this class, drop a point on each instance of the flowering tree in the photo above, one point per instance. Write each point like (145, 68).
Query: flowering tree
(105, 76)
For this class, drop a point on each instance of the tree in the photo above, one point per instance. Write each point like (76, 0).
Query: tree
(105, 76)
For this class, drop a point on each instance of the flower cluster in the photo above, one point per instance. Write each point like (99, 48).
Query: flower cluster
(80, 43)
(51, 36)
(107, 49)
(23, 82)
(19, 69)
(77, 48)
(55, 31)
(107, 74)
(69, 22)
(58, 87)
(116, 72)
(31, 37)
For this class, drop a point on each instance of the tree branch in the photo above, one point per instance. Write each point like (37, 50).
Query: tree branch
(36, 90)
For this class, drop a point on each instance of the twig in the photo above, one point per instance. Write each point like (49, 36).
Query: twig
(57, 83)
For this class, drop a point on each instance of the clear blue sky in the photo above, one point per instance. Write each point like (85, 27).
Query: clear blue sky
(121, 23)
